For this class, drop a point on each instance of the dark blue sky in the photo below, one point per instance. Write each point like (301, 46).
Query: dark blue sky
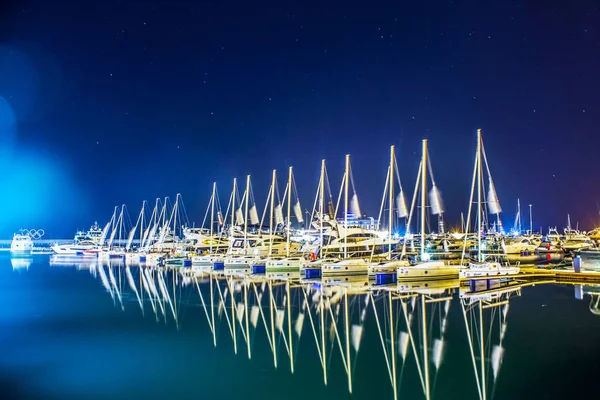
(120, 101)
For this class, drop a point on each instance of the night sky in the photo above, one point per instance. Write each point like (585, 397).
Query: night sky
(111, 102)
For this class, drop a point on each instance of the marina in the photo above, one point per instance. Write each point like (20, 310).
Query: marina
(407, 241)
(347, 200)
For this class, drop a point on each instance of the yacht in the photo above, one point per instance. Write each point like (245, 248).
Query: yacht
(195, 233)
(357, 242)
(577, 243)
(520, 245)
(594, 235)
(21, 243)
(94, 235)
(262, 245)
(84, 248)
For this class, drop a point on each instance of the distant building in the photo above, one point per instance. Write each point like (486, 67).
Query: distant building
(364, 222)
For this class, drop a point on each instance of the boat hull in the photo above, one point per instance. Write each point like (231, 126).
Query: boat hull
(345, 267)
(427, 271)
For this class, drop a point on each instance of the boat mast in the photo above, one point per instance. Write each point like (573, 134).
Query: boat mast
(272, 195)
(391, 194)
(322, 204)
(233, 211)
(212, 216)
(246, 213)
(175, 212)
(121, 225)
(519, 215)
(423, 196)
(142, 223)
(479, 258)
(346, 176)
(289, 209)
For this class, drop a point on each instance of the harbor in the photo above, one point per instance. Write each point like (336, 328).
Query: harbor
(408, 241)
(257, 201)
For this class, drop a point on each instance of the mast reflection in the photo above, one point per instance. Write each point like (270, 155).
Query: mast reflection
(411, 320)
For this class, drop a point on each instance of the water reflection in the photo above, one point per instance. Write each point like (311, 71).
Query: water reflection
(412, 322)
(594, 292)
(21, 263)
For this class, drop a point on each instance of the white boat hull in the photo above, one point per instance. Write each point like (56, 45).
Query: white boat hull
(345, 267)
(74, 250)
(487, 269)
(239, 265)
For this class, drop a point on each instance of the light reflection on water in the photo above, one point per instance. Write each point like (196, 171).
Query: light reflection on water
(133, 332)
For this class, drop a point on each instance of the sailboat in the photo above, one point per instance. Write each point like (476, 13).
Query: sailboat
(425, 269)
(385, 271)
(240, 258)
(480, 267)
(178, 255)
(348, 239)
(213, 257)
(290, 265)
(208, 241)
(356, 247)
(322, 219)
(131, 252)
(353, 242)
(115, 248)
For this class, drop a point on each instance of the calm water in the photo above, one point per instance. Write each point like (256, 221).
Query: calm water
(80, 331)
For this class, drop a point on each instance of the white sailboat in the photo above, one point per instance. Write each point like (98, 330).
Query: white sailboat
(171, 234)
(481, 267)
(287, 266)
(325, 228)
(115, 248)
(217, 243)
(385, 271)
(425, 269)
(354, 265)
(134, 253)
(240, 259)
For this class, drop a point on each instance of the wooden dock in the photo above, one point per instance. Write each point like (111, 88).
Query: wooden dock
(557, 275)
